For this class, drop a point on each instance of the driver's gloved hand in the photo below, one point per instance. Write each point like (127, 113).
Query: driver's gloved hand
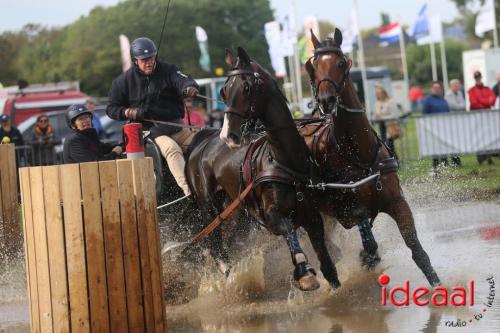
(135, 114)
(191, 92)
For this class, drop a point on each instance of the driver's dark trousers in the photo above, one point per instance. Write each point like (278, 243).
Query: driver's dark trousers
(172, 148)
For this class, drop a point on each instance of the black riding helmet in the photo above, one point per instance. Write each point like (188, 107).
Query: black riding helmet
(142, 48)
(74, 111)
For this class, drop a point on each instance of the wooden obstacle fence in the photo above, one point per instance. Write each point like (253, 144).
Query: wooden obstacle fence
(10, 229)
(92, 247)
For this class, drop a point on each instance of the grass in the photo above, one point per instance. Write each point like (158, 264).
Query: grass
(482, 181)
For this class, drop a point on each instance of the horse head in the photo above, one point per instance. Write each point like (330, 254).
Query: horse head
(328, 71)
(242, 94)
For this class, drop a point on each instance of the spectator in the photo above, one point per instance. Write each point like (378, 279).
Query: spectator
(435, 103)
(416, 95)
(96, 121)
(455, 97)
(8, 133)
(82, 144)
(192, 117)
(481, 97)
(43, 139)
(387, 111)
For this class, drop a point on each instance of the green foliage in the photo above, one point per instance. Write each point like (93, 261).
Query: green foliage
(88, 49)
(419, 61)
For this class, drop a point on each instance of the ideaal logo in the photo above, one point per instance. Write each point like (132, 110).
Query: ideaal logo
(440, 296)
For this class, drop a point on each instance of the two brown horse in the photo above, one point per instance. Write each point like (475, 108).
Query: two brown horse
(351, 150)
(278, 164)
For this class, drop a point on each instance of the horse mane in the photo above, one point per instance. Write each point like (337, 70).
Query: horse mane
(269, 77)
(198, 138)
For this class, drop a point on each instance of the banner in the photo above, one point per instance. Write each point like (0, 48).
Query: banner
(485, 20)
(125, 52)
(273, 37)
(459, 133)
(310, 22)
(202, 38)
(350, 33)
(288, 38)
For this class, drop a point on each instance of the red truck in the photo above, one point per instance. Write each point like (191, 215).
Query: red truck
(22, 103)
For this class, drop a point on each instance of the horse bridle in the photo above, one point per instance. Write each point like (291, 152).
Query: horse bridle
(249, 119)
(339, 87)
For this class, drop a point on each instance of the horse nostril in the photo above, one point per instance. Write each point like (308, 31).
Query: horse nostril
(235, 138)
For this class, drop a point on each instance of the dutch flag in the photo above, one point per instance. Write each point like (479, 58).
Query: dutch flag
(389, 34)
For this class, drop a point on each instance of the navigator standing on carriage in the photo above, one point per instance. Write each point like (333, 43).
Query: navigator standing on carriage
(152, 89)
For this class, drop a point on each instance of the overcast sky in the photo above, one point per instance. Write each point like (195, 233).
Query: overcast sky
(16, 13)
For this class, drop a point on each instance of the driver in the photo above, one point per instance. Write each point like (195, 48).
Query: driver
(152, 89)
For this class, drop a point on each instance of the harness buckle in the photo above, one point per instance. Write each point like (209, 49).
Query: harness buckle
(300, 196)
(378, 185)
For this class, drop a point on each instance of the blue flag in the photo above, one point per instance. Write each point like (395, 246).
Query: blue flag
(421, 26)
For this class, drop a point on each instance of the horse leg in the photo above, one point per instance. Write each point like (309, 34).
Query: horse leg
(369, 255)
(402, 214)
(304, 274)
(317, 237)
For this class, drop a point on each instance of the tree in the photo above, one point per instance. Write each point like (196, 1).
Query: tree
(470, 17)
(88, 49)
(419, 61)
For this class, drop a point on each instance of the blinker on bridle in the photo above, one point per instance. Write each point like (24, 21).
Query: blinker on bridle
(252, 90)
(337, 86)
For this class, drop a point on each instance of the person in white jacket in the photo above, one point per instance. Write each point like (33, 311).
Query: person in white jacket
(455, 96)
(387, 113)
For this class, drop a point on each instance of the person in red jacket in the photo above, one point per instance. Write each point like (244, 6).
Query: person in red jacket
(481, 96)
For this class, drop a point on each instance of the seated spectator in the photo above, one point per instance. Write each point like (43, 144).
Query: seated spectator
(82, 144)
(481, 97)
(387, 110)
(43, 139)
(96, 121)
(9, 133)
(455, 97)
(192, 117)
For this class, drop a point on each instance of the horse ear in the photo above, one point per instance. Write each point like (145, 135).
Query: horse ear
(310, 69)
(229, 58)
(314, 40)
(337, 37)
(244, 58)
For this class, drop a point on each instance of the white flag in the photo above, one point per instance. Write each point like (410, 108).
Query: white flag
(350, 33)
(485, 20)
(273, 38)
(125, 52)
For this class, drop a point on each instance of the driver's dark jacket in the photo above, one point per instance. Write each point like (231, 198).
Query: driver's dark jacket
(159, 95)
(84, 146)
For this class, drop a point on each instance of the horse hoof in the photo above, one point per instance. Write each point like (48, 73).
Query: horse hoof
(335, 284)
(308, 282)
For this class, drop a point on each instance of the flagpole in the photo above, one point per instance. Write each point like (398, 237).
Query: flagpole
(361, 55)
(495, 32)
(433, 62)
(444, 66)
(403, 57)
(298, 72)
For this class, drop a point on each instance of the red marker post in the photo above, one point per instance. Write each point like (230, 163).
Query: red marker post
(134, 142)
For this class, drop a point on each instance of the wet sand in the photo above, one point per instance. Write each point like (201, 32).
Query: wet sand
(461, 238)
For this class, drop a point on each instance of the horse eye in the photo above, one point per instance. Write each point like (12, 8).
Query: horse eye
(341, 64)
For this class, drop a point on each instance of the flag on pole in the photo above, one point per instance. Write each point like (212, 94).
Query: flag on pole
(389, 34)
(202, 38)
(350, 33)
(273, 37)
(125, 52)
(421, 26)
(485, 20)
